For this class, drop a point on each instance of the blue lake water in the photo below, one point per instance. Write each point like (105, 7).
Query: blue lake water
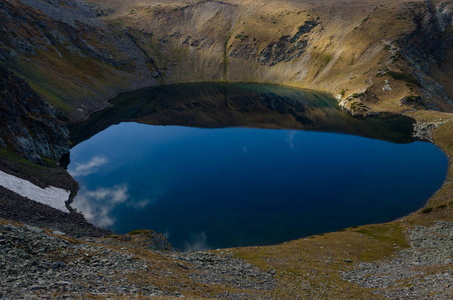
(226, 187)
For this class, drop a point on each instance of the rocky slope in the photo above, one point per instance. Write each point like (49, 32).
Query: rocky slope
(29, 125)
(68, 56)
(42, 263)
(38, 263)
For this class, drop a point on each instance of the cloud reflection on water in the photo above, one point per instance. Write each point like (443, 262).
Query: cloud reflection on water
(90, 167)
(290, 138)
(197, 242)
(97, 205)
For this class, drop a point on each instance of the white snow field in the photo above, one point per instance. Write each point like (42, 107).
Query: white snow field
(51, 196)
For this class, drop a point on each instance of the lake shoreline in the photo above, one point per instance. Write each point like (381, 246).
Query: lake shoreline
(284, 144)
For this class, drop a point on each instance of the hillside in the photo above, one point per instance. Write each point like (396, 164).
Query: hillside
(389, 55)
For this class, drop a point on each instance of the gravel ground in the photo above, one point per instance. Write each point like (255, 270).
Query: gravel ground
(423, 271)
(224, 269)
(37, 265)
(40, 264)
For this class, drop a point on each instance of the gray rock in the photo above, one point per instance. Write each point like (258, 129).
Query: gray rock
(34, 229)
(58, 232)
(58, 265)
(29, 124)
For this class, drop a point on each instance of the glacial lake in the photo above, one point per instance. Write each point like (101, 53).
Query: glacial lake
(226, 165)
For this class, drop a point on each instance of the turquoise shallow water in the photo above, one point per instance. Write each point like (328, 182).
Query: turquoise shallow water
(225, 187)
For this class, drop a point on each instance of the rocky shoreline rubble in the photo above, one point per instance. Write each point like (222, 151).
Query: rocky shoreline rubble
(20, 209)
(40, 264)
(422, 129)
(422, 271)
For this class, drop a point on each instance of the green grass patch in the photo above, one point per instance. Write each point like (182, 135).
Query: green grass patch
(427, 210)
(357, 95)
(14, 157)
(241, 37)
(392, 233)
(46, 173)
(327, 59)
(390, 237)
(50, 97)
(406, 77)
(138, 231)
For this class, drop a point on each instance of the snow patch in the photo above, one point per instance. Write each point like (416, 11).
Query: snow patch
(51, 196)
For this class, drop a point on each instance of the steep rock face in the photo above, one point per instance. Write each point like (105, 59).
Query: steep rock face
(68, 55)
(424, 45)
(285, 49)
(425, 49)
(28, 124)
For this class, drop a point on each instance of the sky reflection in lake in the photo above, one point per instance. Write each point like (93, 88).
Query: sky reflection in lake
(211, 188)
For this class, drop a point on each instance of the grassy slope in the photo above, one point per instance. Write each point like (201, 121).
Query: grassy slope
(74, 67)
(349, 51)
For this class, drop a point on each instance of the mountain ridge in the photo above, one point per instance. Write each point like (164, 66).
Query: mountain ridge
(84, 53)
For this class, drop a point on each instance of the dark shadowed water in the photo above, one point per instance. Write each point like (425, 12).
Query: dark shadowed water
(224, 187)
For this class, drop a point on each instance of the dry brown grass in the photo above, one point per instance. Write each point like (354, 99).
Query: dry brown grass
(346, 52)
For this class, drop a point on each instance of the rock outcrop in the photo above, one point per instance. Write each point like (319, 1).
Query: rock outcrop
(69, 55)
(29, 125)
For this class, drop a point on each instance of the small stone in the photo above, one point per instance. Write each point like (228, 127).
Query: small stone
(58, 232)
(37, 287)
(58, 264)
(63, 283)
(34, 229)
(183, 266)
